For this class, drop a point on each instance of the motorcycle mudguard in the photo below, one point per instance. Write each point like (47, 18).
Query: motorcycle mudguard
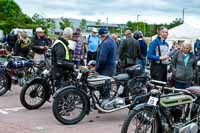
(9, 80)
(59, 91)
(44, 81)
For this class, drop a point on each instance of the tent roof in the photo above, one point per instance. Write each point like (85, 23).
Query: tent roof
(183, 32)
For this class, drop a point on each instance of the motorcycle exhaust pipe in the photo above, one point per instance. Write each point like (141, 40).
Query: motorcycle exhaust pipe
(113, 110)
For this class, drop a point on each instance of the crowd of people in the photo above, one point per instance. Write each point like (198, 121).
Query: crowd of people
(111, 54)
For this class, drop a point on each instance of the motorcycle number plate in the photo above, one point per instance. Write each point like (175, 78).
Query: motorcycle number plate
(79, 75)
(152, 101)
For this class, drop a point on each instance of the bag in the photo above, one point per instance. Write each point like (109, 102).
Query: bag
(198, 44)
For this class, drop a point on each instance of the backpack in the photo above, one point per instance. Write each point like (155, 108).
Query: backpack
(197, 44)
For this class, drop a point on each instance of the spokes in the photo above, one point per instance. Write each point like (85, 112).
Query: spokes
(34, 94)
(2, 82)
(70, 106)
(141, 123)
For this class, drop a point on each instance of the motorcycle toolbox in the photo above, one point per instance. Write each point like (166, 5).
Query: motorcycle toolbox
(176, 99)
(96, 80)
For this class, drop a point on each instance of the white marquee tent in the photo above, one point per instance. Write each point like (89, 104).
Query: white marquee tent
(183, 32)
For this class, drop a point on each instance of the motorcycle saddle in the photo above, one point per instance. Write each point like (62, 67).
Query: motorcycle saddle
(121, 77)
(194, 90)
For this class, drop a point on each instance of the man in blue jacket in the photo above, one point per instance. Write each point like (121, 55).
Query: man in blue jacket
(106, 61)
(106, 54)
(158, 55)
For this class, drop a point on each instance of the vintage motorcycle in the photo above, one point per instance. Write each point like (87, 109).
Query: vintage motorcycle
(18, 69)
(39, 90)
(72, 103)
(166, 110)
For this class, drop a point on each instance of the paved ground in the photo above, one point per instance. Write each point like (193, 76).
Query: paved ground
(16, 119)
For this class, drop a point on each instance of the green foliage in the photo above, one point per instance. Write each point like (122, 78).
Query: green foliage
(83, 24)
(65, 22)
(98, 22)
(40, 21)
(11, 16)
(151, 29)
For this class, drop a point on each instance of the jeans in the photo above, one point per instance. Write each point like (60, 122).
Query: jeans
(182, 85)
(142, 63)
(77, 63)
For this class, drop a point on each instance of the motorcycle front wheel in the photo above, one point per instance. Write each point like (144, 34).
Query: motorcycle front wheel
(141, 121)
(33, 95)
(70, 106)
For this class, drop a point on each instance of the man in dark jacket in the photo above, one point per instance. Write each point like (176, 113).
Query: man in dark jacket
(11, 39)
(129, 50)
(106, 61)
(197, 49)
(61, 53)
(39, 44)
(106, 54)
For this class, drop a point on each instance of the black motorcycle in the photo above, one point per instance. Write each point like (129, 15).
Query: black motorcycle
(39, 90)
(166, 110)
(72, 103)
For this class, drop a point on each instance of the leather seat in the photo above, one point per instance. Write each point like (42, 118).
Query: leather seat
(194, 90)
(121, 77)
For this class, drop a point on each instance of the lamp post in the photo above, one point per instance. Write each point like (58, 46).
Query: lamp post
(137, 21)
(183, 14)
(144, 27)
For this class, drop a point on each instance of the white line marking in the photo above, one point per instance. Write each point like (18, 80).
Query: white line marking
(14, 109)
(3, 112)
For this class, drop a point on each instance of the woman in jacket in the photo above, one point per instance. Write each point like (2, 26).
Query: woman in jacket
(183, 66)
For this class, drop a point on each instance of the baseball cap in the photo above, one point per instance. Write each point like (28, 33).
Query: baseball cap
(102, 31)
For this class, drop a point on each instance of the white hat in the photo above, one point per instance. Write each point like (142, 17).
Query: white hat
(39, 29)
(94, 30)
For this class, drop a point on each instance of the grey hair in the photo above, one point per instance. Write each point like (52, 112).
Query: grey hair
(67, 31)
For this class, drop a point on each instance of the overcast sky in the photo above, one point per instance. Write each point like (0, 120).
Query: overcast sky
(117, 11)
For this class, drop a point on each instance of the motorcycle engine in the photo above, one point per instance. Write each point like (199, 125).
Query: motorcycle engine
(190, 128)
(113, 103)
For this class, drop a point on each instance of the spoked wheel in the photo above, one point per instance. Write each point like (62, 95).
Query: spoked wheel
(70, 106)
(33, 95)
(4, 83)
(141, 121)
(28, 74)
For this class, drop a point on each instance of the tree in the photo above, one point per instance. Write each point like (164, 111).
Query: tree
(176, 22)
(65, 22)
(98, 22)
(12, 16)
(83, 24)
